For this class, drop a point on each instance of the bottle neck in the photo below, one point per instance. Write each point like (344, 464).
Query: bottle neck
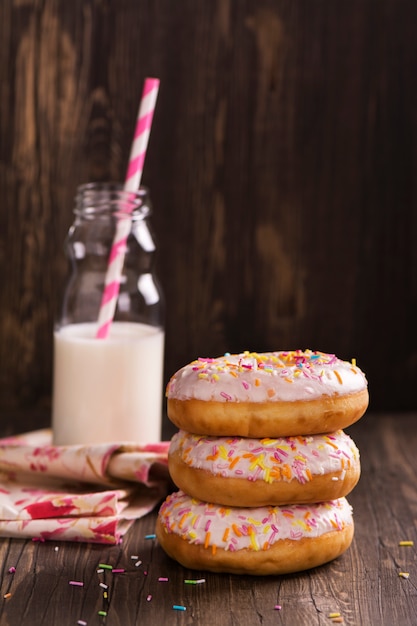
(103, 199)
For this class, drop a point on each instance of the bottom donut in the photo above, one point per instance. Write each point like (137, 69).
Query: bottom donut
(258, 541)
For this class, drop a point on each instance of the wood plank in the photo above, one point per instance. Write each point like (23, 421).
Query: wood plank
(363, 585)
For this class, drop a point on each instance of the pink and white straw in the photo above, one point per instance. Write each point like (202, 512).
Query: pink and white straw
(132, 183)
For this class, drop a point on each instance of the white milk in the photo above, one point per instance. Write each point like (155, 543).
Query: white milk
(107, 390)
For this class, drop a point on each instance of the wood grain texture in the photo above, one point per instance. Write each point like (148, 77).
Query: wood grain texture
(281, 167)
(363, 584)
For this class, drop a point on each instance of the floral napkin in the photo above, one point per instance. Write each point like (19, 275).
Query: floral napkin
(77, 493)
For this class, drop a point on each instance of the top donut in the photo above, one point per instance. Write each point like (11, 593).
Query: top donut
(271, 394)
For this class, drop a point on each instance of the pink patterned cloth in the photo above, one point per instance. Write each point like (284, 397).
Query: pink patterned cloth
(77, 493)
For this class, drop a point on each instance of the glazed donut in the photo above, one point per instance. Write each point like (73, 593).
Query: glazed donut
(237, 471)
(274, 394)
(263, 540)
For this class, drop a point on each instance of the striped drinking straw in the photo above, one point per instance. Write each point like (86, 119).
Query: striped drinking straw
(132, 183)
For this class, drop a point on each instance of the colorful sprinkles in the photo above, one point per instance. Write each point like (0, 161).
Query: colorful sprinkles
(271, 460)
(253, 376)
(244, 528)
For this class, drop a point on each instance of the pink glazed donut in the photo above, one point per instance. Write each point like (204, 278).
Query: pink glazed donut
(260, 541)
(274, 394)
(239, 471)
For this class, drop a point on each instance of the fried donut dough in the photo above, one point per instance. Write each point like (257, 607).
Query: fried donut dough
(274, 394)
(259, 541)
(236, 471)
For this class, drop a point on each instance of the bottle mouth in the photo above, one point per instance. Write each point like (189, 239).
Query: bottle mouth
(95, 198)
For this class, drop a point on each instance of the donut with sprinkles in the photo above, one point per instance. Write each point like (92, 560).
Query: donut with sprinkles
(240, 471)
(271, 394)
(259, 541)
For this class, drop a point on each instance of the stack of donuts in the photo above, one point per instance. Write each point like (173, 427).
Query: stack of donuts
(261, 461)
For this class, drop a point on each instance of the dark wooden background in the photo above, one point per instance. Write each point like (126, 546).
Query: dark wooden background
(282, 167)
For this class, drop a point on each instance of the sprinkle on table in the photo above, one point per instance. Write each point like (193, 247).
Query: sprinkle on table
(406, 543)
(194, 581)
(119, 570)
(277, 607)
(76, 583)
(163, 579)
(336, 617)
(403, 574)
(179, 607)
(12, 570)
(81, 622)
(7, 595)
(152, 536)
(105, 566)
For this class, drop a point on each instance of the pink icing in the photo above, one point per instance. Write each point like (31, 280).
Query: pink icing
(258, 528)
(288, 458)
(253, 377)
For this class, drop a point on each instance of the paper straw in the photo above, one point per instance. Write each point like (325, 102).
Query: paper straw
(132, 183)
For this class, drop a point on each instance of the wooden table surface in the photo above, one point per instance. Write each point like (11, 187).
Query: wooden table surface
(363, 585)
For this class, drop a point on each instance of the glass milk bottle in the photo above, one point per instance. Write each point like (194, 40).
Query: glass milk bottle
(109, 389)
